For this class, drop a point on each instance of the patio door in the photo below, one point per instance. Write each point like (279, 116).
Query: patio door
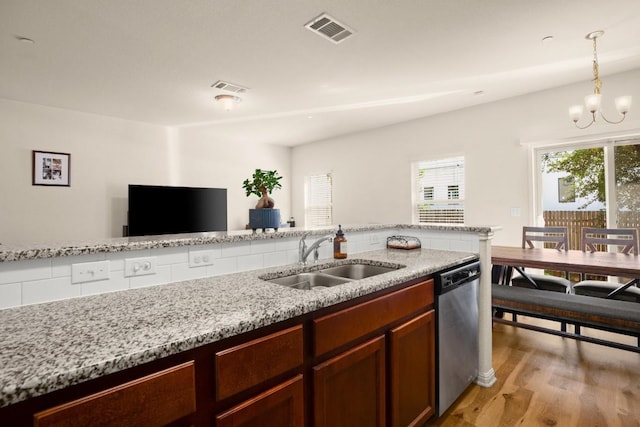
(596, 185)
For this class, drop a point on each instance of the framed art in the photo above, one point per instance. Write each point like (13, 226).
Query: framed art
(51, 168)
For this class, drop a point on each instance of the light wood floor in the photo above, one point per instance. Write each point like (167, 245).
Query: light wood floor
(546, 380)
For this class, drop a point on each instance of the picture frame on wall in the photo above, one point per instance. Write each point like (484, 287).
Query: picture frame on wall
(50, 168)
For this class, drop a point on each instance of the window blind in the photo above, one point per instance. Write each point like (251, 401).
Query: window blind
(318, 201)
(439, 191)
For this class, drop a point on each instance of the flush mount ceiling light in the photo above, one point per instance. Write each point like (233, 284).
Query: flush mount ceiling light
(592, 101)
(228, 101)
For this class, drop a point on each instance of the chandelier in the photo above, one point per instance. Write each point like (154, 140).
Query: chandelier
(592, 101)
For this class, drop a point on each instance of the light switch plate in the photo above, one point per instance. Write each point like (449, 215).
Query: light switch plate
(89, 271)
(142, 266)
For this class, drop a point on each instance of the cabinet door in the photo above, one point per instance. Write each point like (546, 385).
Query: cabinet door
(349, 389)
(412, 371)
(280, 406)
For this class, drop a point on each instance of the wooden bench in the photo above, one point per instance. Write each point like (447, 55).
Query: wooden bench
(621, 317)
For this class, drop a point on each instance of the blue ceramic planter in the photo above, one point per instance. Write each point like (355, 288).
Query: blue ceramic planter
(264, 218)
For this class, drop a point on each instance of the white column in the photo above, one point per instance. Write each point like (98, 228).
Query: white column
(486, 374)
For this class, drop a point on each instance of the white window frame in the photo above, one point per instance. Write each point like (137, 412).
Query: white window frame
(441, 190)
(318, 207)
(607, 143)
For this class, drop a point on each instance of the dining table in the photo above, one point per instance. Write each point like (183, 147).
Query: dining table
(601, 263)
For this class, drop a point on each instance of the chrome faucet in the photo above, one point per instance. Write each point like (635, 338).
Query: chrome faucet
(304, 252)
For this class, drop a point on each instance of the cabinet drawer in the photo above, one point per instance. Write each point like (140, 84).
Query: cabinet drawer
(249, 364)
(282, 405)
(154, 400)
(340, 328)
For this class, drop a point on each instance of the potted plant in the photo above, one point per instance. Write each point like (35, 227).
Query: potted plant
(263, 182)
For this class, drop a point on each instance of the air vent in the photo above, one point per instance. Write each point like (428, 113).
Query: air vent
(330, 28)
(230, 87)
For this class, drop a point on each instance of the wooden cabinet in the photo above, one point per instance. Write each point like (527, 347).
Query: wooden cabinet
(412, 371)
(280, 406)
(154, 400)
(349, 389)
(352, 388)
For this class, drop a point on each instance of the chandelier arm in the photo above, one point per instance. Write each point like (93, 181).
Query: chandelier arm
(593, 120)
(624, 115)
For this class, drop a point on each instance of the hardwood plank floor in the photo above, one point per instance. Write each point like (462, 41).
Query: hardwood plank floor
(546, 380)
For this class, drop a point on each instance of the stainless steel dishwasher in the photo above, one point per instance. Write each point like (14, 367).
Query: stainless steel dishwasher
(456, 332)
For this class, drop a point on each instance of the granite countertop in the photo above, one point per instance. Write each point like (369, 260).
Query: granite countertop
(46, 347)
(26, 251)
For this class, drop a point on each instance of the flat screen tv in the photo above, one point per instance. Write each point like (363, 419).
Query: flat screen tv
(155, 209)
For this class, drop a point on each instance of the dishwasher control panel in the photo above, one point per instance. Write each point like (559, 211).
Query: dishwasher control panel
(458, 276)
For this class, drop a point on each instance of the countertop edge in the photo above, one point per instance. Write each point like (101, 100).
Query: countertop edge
(9, 252)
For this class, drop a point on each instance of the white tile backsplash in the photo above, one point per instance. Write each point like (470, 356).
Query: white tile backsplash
(250, 262)
(262, 246)
(180, 255)
(38, 291)
(41, 280)
(10, 295)
(24, 271)
(163, 275)
(236, 249)
(184, 272)
(223, 266)
(274, 259)
(117, 282)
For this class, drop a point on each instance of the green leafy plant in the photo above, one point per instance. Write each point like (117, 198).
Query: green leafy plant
(263, 182)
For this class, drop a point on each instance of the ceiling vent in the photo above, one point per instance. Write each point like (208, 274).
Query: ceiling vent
(328, 27)
(230, 87)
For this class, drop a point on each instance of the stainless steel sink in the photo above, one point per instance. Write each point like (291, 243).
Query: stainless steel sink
(331, 276)
(308, 281)
(357, 271)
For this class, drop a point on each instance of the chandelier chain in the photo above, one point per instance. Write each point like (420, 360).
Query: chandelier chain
(596, 72)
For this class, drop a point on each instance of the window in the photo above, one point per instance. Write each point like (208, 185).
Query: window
(439, 191)
(318, 202)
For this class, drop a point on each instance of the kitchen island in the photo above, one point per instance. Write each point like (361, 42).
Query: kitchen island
(55, 345)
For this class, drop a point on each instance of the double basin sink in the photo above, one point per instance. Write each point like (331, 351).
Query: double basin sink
(332, 275)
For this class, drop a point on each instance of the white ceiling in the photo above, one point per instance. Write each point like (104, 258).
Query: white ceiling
(154, 61)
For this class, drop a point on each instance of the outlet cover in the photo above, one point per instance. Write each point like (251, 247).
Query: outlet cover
(89, 271)
(200, 258)
(134, 267)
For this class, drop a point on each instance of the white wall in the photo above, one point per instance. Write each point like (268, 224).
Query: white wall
(371, 170)
(107, 154)
(203, 158)
(372, 174)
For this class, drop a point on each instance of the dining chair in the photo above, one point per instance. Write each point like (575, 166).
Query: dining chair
(626, 240)
(559, 238)
(625, 237)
